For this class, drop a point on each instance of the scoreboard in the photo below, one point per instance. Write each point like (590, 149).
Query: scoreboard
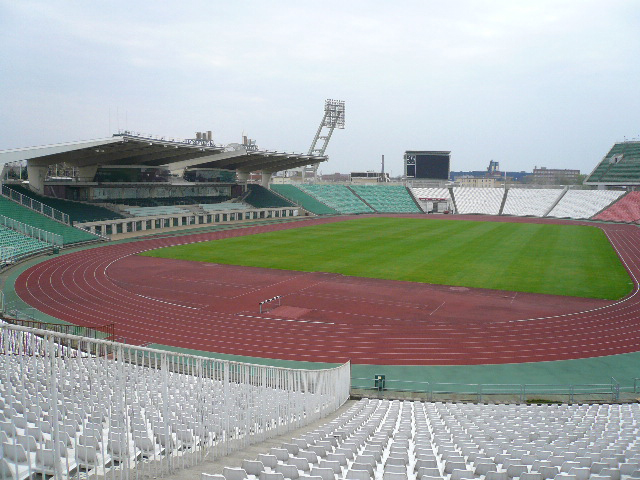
(427, 164)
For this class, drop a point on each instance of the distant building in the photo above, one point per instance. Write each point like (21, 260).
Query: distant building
(369, 177)
(550, 176)
(480, 182)
(335, 177)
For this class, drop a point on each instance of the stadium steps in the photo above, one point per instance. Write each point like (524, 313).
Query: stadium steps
(504, 200)
(562, 194)
(260, 197)
(362, 199)
(306, 201)
(338, 197)
(414, 199)
(70, 235)
(453, 199)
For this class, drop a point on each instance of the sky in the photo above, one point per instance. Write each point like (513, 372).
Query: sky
(546, 83)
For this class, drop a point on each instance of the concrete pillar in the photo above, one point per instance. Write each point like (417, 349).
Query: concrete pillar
(37, 174)
(266, 178)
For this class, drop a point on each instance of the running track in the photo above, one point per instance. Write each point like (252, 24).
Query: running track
(327, 317)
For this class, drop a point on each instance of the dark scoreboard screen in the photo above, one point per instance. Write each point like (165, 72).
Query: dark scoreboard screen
(427, 165)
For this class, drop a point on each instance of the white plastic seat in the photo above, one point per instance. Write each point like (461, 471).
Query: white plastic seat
(484, 468)
(211, 476)
(531, 476)
(363, 466)
(357, 475)
(394, 476)
(516, 470)
(332, 464)
(427, 472)
(269, 461)
(252, 467)
(496, 476)
(459, 474)
(288, 471)
(325, 473)
(270, 476)
(292, 448)
(234, 473)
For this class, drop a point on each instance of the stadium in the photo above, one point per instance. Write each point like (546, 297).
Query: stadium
(162, 311)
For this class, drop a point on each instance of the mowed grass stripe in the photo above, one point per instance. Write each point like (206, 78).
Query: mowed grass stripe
(540, 258)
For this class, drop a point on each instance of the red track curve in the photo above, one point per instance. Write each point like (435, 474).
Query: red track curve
(327, 317)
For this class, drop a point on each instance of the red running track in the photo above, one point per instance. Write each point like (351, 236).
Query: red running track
(328, 317)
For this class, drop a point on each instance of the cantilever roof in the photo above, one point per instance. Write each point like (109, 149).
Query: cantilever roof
(129, 149)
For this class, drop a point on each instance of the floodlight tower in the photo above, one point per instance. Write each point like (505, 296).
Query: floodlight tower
(333, 118)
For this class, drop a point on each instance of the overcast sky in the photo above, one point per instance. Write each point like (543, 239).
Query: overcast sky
(526, 83)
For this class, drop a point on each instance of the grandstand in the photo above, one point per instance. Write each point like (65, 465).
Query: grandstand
(306, 201)
(619, 167)
(260, 197)
(584, 203)
(79, 212)
(70, 235)
(387, 198)
(530, 202)
(15, 245)
(478, 200)
(626, 209)
(337, 197)
(121, 409)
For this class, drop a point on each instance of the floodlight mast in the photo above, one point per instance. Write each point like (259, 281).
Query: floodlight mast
(333, 118)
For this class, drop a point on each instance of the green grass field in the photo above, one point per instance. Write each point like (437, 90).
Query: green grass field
(553, 259)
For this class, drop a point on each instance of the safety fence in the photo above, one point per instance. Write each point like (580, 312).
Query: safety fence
(100, 409)
(613, 391)
(35, 205)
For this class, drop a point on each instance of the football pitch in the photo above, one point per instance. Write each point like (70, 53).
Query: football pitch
(539, 258)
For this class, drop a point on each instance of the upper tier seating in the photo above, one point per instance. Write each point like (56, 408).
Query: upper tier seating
(23, 214)
(78, 212)
(387, 198)
(14, 245)
(627, 209)
(530, 201)
(261, 197)
(338, 197)
(584, 203)
(303, 199)
(383, 440)
(621, 164)
(478, 200)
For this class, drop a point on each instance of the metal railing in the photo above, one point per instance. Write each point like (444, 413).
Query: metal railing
(157, 411)
(38, 234)
(480, 392)
(35, 205)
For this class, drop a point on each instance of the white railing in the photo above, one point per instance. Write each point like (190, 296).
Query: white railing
(120, 411)
(35, 205)
(30, 231)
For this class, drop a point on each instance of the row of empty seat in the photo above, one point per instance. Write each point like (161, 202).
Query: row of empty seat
(626, 209)
(387, 198)
(14, 245)
(584, 203)
(337, 197)
(25, 215)
(153, 211)
(81, 415)
(383, 440)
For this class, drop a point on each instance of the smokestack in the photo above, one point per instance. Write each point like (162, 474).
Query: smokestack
(382, 164)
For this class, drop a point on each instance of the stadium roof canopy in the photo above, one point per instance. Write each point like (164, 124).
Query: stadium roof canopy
(129, 149)
(621, 166)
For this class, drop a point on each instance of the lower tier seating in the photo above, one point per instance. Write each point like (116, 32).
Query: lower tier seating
(338, 197)
(627, 209)
(584, 203)
(22, 214)
(306, 201)
(387, 198)
(392, 440)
